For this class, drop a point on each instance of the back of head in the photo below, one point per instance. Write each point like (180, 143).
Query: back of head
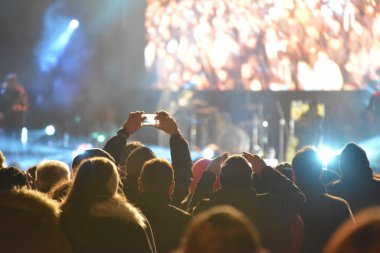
(221, 229)
(12, 177)
(361, 236)
(354, 162)
(136, 160)
(128, 150)
(49, 173)
(156, 176)
(236, 172)
(30, 223)
(306, 164)
(89, 153)
(96, 178)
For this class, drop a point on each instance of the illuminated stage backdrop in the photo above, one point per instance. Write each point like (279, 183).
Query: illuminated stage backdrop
(262, 45)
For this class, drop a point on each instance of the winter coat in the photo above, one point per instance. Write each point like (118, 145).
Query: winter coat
(168, 222)
(110, 226)
(29, 222)
(360, 192)
(269, 212)
(322, 215)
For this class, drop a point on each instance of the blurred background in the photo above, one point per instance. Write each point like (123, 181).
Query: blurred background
(266, 76)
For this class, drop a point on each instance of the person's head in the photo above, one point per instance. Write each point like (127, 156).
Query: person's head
(136, 160)
(49, 173)
(11, 177)
(306, 164)
(157, 175)
(361, 236)
(96, 178)
(128, 150)
(221, 229)
(11, 80)
(235, 172)
(2, 160)
(89, 153)
(354, 162)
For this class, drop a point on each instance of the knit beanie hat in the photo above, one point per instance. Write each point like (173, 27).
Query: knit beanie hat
(235, 171)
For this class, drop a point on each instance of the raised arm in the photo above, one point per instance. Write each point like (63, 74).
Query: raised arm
(117, 144)
(180, 155)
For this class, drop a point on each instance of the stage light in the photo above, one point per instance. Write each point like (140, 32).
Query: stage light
(74, 24)
(24, 135)
(208, 153)
(326, 154)
(101, 138)
(50, 130)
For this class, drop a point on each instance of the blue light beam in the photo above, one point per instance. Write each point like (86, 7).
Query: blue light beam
(51, 55)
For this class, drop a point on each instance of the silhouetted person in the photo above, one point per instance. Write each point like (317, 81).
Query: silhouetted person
(156, 184)
(322, 213)
(357, 184)
(268, 212)
(13, 106)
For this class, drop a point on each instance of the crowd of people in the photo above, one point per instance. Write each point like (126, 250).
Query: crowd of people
(267, 44)
(123, 198)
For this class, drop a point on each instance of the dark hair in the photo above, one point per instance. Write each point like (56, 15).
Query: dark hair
(89, 153)
(235, 171)
(306, 164)
(157, 175)
(221, 229)
(128, 150)
(12, 177)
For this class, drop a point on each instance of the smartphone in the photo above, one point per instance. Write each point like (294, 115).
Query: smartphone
(150, 120)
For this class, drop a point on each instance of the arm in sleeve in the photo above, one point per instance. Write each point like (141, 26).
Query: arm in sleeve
(182, 163)
(117, 145)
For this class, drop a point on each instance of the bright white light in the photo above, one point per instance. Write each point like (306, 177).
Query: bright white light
(74, 24)
(326, 154)
(24, 135)
(50, 130)
(101, 138)
(208, 153)
(265, 123)
(80, 149)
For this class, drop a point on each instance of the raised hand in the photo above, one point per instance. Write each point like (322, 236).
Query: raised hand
(166, 123)
(216, 164)
(133, 123)
(257, 162)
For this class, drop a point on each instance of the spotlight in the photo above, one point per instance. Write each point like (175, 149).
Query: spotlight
(74, 24)
(24, 135)
(208, 153)
(326, 154)
(50, 130)
(101, 138)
